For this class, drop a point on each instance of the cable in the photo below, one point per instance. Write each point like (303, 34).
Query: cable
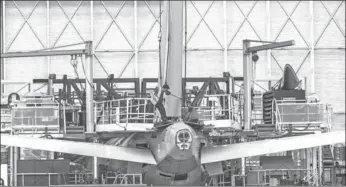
(184, 88)
(160, 36)
(74, 65)
(92, 86)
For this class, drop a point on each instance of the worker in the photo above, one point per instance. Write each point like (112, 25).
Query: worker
(158, 101)
(191, 115)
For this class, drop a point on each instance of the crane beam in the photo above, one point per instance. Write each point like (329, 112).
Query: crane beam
(270, 46)
(43, 53)
(88, 52)
(248, 72)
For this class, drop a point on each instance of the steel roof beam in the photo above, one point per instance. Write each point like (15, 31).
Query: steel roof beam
(43, 53)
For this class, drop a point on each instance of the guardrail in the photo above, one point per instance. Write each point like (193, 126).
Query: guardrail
(214, 107)
(135, 179)
(301, 115)
(129, 110)
(6, 119)
(77, 178)
(35, 116)
(284, 172)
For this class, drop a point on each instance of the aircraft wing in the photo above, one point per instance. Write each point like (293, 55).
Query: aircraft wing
(81, 148)
(255, 148)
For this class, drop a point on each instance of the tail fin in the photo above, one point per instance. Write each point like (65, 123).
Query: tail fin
(290, 79)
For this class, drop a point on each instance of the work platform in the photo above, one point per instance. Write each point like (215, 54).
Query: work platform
(41, 116)
(137, 114)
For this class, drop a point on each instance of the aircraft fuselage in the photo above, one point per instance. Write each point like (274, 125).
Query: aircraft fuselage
(176, 149)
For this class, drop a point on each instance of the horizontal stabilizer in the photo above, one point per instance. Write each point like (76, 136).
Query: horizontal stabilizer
(81, 148)
(255, 148)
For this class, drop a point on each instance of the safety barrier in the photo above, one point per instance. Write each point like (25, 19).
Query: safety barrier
(133, 179)
(124, 111)
(6, 119)
(51, 179)
(36, 116)
(307, 116)
(215, 107)
(218, 180)
(264, 176)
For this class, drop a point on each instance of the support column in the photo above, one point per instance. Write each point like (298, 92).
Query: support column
(312, 54)
(95, 172)
(247, 73)
(243, 165)
(11, 166)
(3, 39)
(243, 169)
(320, 164)
(225, 37)
(135, 11)
(48, 35)
(15, 159)
(268, 34)
(314, 165)
(89, 88)
(308, 162)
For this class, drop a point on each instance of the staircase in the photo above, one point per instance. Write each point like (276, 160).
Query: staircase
(328, 160)
(257, 112)
(267, 105)
(328, 163)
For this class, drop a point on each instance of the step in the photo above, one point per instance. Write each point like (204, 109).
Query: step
(265, 96)
(266, 121)
(264, 125)
(266, 130)
(267, 109)
(268, 104)
(74, 127)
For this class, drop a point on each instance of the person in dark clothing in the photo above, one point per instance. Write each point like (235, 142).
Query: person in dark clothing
(159, 104)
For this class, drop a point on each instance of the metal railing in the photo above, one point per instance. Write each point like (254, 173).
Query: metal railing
(215, 107)
(134, 179)
(6, 119)
(67, 178)
(276, 117)
(36, 116)
(301, 115)
(218, 180)
(124, 111)
(283, 172)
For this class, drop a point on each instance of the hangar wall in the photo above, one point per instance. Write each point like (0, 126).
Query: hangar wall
(125, 36)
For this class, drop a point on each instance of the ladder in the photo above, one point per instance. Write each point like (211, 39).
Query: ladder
(267, 105)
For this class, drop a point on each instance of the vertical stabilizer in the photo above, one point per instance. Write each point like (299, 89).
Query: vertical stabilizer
(171, 55)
